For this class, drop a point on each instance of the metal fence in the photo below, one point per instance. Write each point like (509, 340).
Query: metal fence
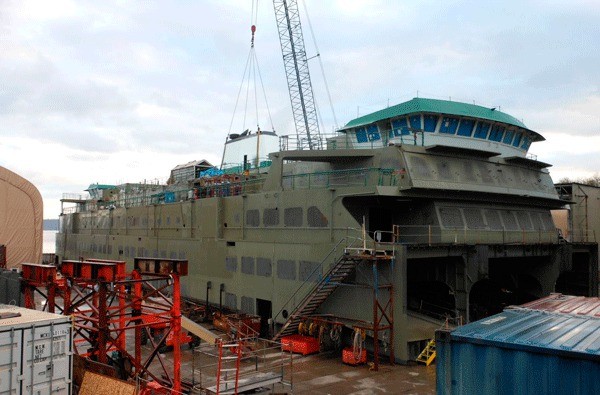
(430, 234)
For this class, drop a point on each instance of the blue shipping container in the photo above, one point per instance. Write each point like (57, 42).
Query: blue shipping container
(520, 351)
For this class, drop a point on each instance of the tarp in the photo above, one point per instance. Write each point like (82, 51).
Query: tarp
(21, 219)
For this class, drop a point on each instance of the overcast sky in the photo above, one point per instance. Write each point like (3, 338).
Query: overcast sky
(123, 91)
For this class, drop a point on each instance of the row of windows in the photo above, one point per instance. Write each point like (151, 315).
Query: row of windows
(292, 217)
(285, 269)
(131, 251)
(466, 171)
(447, 125)
(511, 220)
(104, 221)
(247, 306)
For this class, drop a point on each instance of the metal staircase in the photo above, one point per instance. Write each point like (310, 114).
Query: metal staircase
(321, 291)
(428, 354)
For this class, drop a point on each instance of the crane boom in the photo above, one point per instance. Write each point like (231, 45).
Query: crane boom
(298, 77)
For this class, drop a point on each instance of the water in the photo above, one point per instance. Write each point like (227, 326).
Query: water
(49, 241)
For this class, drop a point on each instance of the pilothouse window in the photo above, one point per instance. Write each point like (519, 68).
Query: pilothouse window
(373, 133)
(482, 129)
(400, 127)
(361, 135)
(449, 125)
(496, 133)
(508, 137)
(415, 122)
(466, 127)
(366, 134)
(430, 122)
(517, 140)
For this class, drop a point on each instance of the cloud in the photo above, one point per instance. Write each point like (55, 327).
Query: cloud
(113, 90)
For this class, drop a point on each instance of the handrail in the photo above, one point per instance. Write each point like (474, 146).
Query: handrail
(335, 172)
(243, 330)
(270, 361)
(217, 187)
(310, 278)
(332, 141)
(579, 236)
(75, 196)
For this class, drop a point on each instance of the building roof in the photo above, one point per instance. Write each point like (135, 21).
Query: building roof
(21, 218)
(193, 163)
(418, 105)
(566, 304)
(537, 331)
(579, 184)
(99, 187)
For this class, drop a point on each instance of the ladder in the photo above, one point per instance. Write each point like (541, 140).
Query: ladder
(321, 291)
(228, 366)
(428, 354)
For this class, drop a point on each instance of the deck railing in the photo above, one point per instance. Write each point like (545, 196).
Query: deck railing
(262, 363)
(580, 236)
(340, 178)
(223, 186)
(339, 140)
(431, 235)
(75, 196)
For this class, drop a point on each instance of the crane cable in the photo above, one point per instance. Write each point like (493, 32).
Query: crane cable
(251, 69)
(318, 55)
(238, 96)
(253, 21)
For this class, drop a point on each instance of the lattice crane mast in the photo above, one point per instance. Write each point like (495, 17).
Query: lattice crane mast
(298, 76)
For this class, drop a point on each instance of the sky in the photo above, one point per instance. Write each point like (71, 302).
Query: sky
(119, 91)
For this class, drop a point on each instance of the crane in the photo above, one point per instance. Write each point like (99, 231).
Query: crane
(298, 77)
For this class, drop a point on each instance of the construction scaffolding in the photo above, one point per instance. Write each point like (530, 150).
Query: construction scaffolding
(109, 306)
(244, 364)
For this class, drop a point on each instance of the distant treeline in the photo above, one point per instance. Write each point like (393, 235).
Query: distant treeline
(593, 181)
(50, 224)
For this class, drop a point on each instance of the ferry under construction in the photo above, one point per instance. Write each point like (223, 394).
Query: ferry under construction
(423, 213)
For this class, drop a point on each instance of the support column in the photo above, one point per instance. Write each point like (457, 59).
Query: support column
(51, 302)
(375, 317)
(102, 335)
(399, 280)
(136, 311)
(176, 329)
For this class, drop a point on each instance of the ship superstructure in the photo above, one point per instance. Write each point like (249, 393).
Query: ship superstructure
(435, 205)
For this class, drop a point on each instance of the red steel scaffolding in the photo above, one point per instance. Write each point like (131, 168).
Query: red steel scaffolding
(111, 309)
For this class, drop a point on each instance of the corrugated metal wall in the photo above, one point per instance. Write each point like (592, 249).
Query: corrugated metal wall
(520, 352)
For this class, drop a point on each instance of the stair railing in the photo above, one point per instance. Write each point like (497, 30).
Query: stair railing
(310, 280)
